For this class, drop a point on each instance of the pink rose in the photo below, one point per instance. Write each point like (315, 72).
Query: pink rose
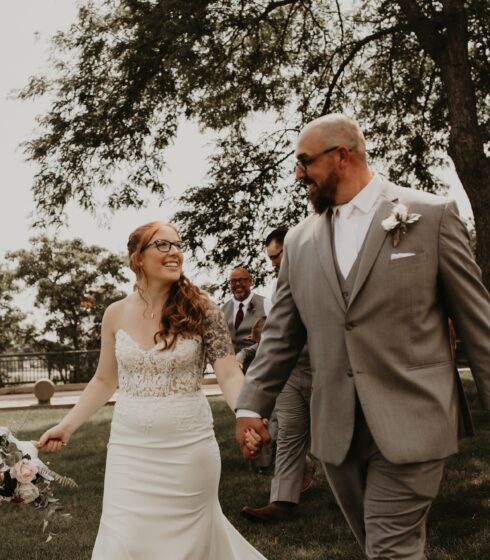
(27, 492)
(23, 471)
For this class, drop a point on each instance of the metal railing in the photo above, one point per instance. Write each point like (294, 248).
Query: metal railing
(60, 367)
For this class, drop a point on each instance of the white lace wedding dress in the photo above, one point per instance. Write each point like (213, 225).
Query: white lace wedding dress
(163, 462)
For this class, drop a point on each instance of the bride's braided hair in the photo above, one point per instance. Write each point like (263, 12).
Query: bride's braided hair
(185, 310)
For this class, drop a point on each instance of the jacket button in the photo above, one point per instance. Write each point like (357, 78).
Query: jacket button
(349, 326)
(350, 373)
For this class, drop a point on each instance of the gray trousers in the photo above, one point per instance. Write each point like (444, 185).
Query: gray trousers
(386, 505)
(293, 421)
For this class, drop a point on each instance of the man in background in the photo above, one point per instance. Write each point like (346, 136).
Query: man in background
(243, 309)
(293, 471)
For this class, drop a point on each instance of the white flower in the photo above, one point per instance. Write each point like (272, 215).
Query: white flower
(401, 212)
(23, 471)
(397, 222)
(27, 491)
(390, 222)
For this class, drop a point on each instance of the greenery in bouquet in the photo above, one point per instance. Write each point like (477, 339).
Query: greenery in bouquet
(25, 479)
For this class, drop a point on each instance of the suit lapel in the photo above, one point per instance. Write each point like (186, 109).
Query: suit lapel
(323, 244)
(374, 240)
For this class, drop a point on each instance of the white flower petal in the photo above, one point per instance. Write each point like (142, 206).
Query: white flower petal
(412, 218)
(390, 223)
(401, 212)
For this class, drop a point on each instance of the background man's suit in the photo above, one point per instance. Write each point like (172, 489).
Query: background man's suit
(254, 310)
(381, 353)
(293, 419)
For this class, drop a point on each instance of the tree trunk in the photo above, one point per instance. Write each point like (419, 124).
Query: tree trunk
(465, 140)
(482, 226)
(446, 41)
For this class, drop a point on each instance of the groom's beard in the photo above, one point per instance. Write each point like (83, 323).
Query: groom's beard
(323, 195)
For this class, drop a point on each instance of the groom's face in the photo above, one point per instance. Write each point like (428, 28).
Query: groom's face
(323, 192)
(320, 175)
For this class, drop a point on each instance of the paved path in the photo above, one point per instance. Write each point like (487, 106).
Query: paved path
(67, 399)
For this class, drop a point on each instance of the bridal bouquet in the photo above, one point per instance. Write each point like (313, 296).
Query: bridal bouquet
(24, 478)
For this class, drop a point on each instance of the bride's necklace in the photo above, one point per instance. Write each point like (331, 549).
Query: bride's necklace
(147, 313)
(151, 313)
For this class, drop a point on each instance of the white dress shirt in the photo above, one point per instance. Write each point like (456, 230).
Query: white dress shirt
(246, 303)
(351, 222)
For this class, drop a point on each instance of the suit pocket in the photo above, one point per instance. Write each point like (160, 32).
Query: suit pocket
(429, 366)
(418, 258)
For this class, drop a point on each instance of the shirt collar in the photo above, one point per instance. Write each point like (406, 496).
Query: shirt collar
(366, 198)
(245, 301)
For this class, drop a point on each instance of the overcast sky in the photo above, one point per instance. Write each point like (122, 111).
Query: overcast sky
(25, 29)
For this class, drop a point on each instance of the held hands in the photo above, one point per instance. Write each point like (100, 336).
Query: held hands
(54, 439)
(251, 433)
(253, 441)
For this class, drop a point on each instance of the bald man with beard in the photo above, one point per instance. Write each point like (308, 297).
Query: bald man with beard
(369, 282)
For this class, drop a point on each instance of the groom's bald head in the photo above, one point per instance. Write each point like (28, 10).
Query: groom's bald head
(335, 130)
(331, 160)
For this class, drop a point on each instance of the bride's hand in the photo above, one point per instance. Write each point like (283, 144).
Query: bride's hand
(253, 441)
(54, 439)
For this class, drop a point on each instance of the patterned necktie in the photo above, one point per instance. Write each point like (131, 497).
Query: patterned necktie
(239, 316)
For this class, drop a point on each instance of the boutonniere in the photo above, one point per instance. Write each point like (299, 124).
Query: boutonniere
(398, 222)
(251, 307)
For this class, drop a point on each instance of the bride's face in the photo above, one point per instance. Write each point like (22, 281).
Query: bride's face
(162, 257)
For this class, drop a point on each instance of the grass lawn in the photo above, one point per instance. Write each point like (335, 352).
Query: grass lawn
(459, 524)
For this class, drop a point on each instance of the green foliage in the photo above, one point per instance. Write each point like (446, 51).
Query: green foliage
(457, 526)
(61, 480)
(15, 334)
(74, 284)
(128, 70)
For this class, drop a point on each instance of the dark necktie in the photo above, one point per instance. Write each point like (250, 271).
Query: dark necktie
(239, 316)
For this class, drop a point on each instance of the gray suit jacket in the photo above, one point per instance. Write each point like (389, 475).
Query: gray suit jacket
(390, 344)
(255, 310)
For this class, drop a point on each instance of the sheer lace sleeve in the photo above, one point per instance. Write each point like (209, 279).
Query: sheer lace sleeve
(217, 340)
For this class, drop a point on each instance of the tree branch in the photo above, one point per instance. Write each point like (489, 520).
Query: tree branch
(341, 21)
(357, 47)
(274, 5)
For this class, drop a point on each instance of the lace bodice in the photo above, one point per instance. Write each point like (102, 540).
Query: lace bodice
(159, 373)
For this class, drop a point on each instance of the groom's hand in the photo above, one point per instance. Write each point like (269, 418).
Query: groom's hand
(258, 424)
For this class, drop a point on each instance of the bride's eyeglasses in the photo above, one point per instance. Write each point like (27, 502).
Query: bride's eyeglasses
(164, 246)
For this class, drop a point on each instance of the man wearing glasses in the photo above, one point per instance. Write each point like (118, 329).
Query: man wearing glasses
(370, 280)
(293, 470)
(243, 309)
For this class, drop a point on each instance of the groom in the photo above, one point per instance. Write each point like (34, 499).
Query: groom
(387, 405)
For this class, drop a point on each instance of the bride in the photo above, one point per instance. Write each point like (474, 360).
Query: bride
(163, 462)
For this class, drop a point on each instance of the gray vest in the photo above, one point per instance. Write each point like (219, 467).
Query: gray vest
(346, 284)
(254, 311)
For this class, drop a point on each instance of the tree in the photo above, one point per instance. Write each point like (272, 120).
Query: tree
(15, 334)
(415, 73)
(74, 283)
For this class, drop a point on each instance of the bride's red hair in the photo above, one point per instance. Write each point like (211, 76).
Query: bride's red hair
(185, 310)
